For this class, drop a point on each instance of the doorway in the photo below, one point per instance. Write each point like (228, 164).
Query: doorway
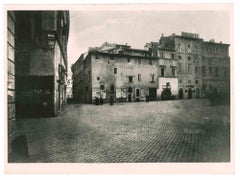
(189, 93)
(129, 97)
(180, 93)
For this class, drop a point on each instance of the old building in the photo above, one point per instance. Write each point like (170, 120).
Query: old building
(215, 68)
(187, 49)
(37, 64)
(167, 67)
(185, 65)
(41, 62)
(115, 70)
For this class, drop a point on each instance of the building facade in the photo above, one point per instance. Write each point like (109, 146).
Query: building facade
(185, 65)
(215, 68)
(37, 64)
(41, 62)
(117, 71)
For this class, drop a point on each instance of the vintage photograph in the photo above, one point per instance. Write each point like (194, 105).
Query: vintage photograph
(121, 84)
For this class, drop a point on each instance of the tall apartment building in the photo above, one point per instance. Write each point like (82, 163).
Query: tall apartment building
(115, 70)
(215, 67)
(37, 64)
(41, 62)
(188, 53)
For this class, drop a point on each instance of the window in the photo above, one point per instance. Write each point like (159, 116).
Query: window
(189, 68)
(152, 76)
(189, 81)
(115, 70)
(203, 71)
(189, 58)
(173, 72)
(139, 77)
(150, 61)
(196, 57)
(172, 55)
(130, 90)
(179, 57)
(180, 67)
(188, 46)
(180, 81)
(102, 86)
(130, 79)
(162, 71)
(196, 70)
(98, 78)
(196, 81)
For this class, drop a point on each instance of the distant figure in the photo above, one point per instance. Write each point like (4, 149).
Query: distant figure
(101, 101)
(111, 100)
(147, 99)
(96, 101)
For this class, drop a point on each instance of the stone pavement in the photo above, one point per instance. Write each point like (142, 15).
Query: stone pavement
(160, 131)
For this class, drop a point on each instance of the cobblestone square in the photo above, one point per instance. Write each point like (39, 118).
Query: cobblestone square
(158, 131)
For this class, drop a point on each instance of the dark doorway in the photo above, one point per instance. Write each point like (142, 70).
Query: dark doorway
(152, 93)
(180, 93)
(189, 93)
(129, 97)
(137, 92)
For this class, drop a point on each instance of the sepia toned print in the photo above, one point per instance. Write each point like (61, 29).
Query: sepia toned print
(117, 86)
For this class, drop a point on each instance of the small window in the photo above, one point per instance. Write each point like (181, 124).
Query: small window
(102, 86)
(179, 57)
(180, 80)
(98, 78)
(130, 79)
(189, 67)
(115, 70)
(172, 55)
(196, 81)
(189, 58)
(188, 46)
(162, 71)
(139, 77)
(196, 70)
(130, 90)
(152, 76)
(189, 81)
(173, 72)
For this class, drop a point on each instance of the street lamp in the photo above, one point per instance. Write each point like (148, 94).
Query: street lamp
(49, 41)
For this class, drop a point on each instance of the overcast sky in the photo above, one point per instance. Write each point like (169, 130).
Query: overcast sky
(92, 28)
